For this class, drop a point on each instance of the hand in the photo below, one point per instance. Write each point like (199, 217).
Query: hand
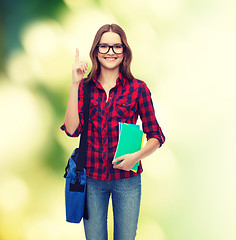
(127, 161)
(79, 69)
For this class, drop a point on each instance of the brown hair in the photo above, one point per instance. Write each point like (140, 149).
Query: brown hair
(127, 55)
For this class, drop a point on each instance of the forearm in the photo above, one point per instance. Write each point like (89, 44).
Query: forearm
(128, 160)
(151, 145)
(71, 117)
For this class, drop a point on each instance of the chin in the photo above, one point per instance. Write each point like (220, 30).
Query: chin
(110, 66)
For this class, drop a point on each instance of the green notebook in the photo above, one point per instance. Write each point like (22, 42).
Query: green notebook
(130, 141)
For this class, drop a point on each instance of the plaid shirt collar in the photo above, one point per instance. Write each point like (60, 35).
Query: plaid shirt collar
(120, 80)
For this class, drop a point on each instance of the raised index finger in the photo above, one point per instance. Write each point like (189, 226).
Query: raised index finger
(77, 55)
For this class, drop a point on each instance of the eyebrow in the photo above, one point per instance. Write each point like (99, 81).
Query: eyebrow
(110, 44)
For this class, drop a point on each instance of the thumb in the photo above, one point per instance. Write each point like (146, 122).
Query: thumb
(117, 159)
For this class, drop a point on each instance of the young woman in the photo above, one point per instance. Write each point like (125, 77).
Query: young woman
(116, 96)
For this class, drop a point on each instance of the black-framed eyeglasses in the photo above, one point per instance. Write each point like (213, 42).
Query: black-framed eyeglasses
(104, 48)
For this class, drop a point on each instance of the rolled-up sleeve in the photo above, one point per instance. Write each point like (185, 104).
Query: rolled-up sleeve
(79, 128)
(77, 131)
(147, 114)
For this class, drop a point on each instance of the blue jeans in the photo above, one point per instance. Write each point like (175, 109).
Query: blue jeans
(126, 196)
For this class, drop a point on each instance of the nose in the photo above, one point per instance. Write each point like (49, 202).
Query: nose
(110, 51)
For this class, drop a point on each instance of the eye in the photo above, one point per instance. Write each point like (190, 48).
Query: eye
(103, 46)
(118, 46)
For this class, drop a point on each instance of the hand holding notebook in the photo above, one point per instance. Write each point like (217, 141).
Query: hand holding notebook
(130, 141)
(127, 162)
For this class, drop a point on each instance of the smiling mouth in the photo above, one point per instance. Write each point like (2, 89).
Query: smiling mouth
(110, 58)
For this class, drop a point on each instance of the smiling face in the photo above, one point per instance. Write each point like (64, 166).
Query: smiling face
(110, 60)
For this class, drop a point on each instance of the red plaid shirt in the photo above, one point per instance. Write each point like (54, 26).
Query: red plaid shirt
(127, 100)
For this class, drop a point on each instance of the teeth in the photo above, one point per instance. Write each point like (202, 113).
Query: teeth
(110, 59)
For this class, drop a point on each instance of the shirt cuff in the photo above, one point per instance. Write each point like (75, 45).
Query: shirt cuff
(74, 134)
(160, 139)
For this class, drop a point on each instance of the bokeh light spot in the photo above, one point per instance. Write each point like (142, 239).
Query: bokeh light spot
(14, 194)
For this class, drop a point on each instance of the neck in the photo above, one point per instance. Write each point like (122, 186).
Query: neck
(108, 76)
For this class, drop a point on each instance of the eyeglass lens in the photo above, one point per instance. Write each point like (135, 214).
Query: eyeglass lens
(105, 48)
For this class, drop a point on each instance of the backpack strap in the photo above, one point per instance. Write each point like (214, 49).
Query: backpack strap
(83, 144)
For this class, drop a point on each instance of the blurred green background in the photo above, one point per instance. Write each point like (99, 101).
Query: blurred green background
(184, 50)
